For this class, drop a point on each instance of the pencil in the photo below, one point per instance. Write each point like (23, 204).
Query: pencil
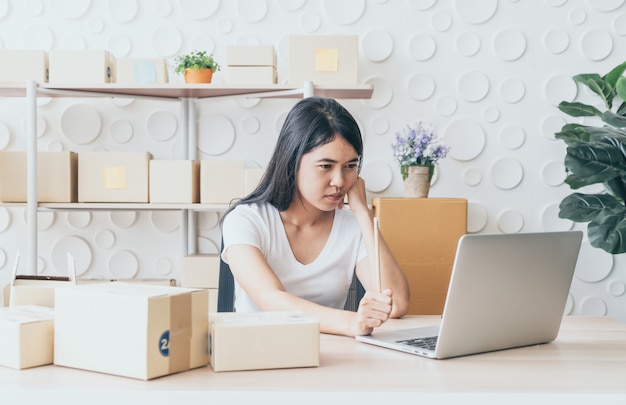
(377, 255)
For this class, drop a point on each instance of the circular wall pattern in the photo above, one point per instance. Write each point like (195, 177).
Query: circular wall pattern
(509, 44)
(510, 221)
(252, 11)
(577, 16)
(216, 134)
(81, 124)
(310, 22)
(75, 246)
(380, 125)
(382, 94)
(123, 11)
(512, 136)
(71, 10)
(422, 47)
(37, 37)
(165, 221)
(164, 266)
(421, 86)
(556, 41)
(5, 219)
(473, 86)
(446, 106)
(378, 176)
(559, 88)
(79, 219)
(551, 222)
(441, 21)
(162, 125)
(123, 219)
(553, 173)
(593, 264)
(377, 45)
(594, 306)
(596, 45)
(466, 139)
(121, 131)
(104, 239)
(507, 173)
(208, 220)
(476, 11)
(468, 44)
(616, 288)
(199, 10)
(344, 12)
(167, 40)
(477, 217)
(123, 264)
(472, 176)
(512, 90)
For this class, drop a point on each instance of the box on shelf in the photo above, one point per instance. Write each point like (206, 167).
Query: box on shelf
(426, 256)
(56, 176)
(22, 65)
(221, 181)
(113, 177)
(213, 294)
(251, 55)
(81, 66)
(252, 75)
(323, 59)
(263, 340)
(26, 336)
(252, 178)
(141, 71)
(174, 181)
(132, 330)
(200, 271)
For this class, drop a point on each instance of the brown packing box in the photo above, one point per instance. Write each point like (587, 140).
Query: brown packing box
(113, 177)
(262, 340)
(423, 234)
(21, 65)
(132, 330)
(26, 336)
(323, 59)
(200, 271)
(174, 181)
(56, 176)
(81, 66)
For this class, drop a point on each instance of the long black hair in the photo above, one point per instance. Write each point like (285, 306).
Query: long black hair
(312, 122)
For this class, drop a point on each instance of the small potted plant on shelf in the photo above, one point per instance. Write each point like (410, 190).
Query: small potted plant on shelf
(196, 67)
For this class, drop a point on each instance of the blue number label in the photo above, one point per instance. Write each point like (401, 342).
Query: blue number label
(164, 344)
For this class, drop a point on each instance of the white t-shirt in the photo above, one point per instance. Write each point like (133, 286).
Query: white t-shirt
(325, 281)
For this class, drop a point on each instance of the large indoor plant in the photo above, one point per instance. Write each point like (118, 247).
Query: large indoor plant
(196, 63)
(597, 154)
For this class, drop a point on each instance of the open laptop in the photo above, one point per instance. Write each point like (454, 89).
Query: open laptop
(506, 291)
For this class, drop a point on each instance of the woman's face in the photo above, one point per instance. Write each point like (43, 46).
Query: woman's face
(327, 173)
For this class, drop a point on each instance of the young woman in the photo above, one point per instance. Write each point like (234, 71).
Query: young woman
(291, 245)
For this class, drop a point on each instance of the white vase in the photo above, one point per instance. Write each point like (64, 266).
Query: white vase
(417, 182)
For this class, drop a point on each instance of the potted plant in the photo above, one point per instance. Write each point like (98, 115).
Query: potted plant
(196, 67)
(417, 151)
(597, 155)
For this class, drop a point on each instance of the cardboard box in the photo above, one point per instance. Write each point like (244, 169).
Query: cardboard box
(423, 234)
(81, 67)
(213, 293)
(251, 55)
(22, 65)
(263, 340)
(113, 177)
(26, 336)
(221, 181)
(174, 181)
(132, 330)
(200, 271)
(56, 176)
(141, 71)
(252, 75)
(323, 59)
(252, 178)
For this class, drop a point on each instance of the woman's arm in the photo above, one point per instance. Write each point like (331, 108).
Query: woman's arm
(255, 276)
(392, 276)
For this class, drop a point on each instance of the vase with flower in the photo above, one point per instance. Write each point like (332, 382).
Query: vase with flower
(417, 151)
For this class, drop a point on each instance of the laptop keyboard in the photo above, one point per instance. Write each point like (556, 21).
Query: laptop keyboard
(424, 342)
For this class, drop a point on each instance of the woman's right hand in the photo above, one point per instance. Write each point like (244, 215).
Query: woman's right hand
(373, 311)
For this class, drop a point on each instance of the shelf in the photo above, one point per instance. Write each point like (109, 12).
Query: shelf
(195, 91)
(121, 206)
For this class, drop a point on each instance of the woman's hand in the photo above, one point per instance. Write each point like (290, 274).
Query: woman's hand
(357, 197)
(373, 311)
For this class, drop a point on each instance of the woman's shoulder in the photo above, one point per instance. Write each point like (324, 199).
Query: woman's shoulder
(257, 210)
(346, 218)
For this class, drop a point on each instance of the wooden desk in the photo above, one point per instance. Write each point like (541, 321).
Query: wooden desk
(587, 362)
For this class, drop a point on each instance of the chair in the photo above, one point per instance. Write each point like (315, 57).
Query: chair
(226, 290)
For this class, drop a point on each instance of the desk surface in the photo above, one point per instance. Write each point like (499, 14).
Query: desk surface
(588, 359)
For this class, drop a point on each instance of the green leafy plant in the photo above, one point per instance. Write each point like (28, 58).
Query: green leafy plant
(597, 155)
(195, 60)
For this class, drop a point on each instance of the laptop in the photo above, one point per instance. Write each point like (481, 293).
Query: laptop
(505, 291)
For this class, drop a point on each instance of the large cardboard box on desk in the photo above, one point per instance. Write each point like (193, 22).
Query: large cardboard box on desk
(323, 59)
(174, 181)
(132, 330)
(22, 65)
(221, 181)
(262, 340)
(113, 177)
(56, 176)
(81, 66)
(26, 336)
(423, 234)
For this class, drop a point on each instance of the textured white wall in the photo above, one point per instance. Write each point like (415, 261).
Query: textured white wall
(487, 73)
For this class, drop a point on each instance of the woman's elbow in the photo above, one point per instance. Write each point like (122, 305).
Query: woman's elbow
(399, 308)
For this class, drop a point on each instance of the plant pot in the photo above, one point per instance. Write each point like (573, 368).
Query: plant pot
(198, 76)
(417, 182)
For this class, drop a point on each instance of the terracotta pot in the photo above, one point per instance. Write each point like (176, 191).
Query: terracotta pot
(417, 182)
(198, 76)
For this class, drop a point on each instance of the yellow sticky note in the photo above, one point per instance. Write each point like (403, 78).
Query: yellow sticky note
(114, 177)
(326, 60)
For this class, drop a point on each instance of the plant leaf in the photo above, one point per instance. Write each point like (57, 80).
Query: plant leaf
(599, 86)
(620, 87)
(580, 207)
(571, 133)
(613, 119)
(596, 162)
(609, 232)
(617, 187)
(577, 109)
(576, 182)
(614, 75)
